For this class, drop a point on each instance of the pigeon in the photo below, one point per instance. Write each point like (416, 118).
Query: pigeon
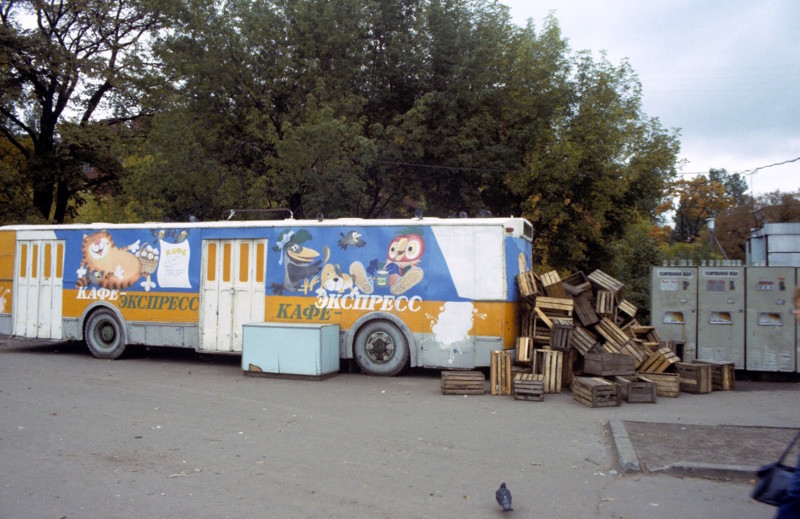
(503, 496)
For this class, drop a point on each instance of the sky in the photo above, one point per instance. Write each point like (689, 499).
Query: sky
(726, 73)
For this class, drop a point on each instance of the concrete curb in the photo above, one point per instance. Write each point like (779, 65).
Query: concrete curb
(629, 461)
(708, 470)
(627, 458)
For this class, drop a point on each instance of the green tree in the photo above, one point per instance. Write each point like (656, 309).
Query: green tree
(76, 55)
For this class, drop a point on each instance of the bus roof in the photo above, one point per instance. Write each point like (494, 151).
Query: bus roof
(521, 226)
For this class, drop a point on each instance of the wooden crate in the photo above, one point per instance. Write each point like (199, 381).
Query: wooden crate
(608, 364)
(611, 333)
(542, 328)
(555, 306)
(500, 373)
(551, 282)
(561, 333)
(635, 389)
(723, 376)
(605, 305)
(549, 363)
(524, 350)
(659, 361)
(529, 284)
(636, 350)
(529, 386)
(602, 281)
(627, 309)
(584, 310)
(668, 383)
(576, 283)
(694, 378)
(584, 341)
(463, 383)
(596, 392)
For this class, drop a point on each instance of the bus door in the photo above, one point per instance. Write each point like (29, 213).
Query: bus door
(232, 291)
(40, 283)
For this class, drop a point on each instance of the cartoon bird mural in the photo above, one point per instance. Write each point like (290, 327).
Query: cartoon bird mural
(351, 239)
(299, 262)
(404, 254)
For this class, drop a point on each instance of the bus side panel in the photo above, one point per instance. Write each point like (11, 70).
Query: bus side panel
(7, 248)
(452, 290)
(150, 275)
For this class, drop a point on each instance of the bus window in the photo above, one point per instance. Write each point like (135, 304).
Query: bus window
(48, 260)
(211, 275)
(260, 263)
(23, 261)
(59, 261)
(34, 261)
(226, 262)
(244, 257)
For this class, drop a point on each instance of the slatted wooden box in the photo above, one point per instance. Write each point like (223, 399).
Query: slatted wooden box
(549, 363)
(500, 372)
(524, 350)
(596, 392)
(636, 390)
(463, 383)
(667, 384)
(608, 364)
(529, 386)
(723, 376)
(552, 284)
(529, 285)
(694, 378)
(659, 361)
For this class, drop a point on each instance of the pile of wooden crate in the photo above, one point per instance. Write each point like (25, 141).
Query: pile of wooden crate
(607, 354)
(579, 332)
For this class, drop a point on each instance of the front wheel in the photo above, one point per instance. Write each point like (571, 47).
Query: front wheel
(381, 349)
(104, 336)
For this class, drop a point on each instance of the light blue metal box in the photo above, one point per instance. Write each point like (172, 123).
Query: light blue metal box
(290, 349)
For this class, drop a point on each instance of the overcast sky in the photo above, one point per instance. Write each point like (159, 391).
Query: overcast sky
(725, 72)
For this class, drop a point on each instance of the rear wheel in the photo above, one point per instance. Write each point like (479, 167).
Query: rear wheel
(381, 349)
(104, 336)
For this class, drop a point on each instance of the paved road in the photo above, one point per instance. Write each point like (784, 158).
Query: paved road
(174, 434)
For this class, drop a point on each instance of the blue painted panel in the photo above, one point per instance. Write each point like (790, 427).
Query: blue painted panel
(294, 349)
(134, 260)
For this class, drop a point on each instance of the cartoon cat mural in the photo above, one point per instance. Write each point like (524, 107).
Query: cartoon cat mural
(112, 267)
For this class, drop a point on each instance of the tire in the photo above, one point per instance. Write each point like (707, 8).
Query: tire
(380, 348)
(104, 335)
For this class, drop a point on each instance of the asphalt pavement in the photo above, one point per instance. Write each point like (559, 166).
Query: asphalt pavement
(170, 433)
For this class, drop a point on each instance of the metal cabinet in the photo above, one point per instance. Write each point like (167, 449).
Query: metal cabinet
(721, 314)
(771, 330)
(673, 307)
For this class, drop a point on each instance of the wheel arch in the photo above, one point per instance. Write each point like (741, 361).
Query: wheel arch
(350, 336)
(99, 305)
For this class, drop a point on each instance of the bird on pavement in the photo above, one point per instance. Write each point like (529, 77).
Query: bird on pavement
(503, 496)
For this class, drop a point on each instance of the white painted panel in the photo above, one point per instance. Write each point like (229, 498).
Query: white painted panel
(225, 297)
(208, 295)
(34, 278)
(475, 259)
(20, 305)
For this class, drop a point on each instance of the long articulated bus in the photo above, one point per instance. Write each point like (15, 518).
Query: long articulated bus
(427, 292)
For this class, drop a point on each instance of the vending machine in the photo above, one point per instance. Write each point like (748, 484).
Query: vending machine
(771, 329)
(721, 314)
(673, 304)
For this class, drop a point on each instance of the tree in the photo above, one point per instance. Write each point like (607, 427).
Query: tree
(600, 164)
(56, 74)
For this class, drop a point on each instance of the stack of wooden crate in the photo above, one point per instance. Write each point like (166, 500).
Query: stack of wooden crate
(595, 331)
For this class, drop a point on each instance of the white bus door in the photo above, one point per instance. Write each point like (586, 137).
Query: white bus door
(232, 291)
(38, 296)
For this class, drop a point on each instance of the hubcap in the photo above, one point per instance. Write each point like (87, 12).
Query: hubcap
(380, 347)
(107, 333)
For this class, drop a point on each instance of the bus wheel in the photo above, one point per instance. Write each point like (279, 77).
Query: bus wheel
(103, 335)
(381, 349)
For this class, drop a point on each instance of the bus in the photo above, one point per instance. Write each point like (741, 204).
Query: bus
(430, 292)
